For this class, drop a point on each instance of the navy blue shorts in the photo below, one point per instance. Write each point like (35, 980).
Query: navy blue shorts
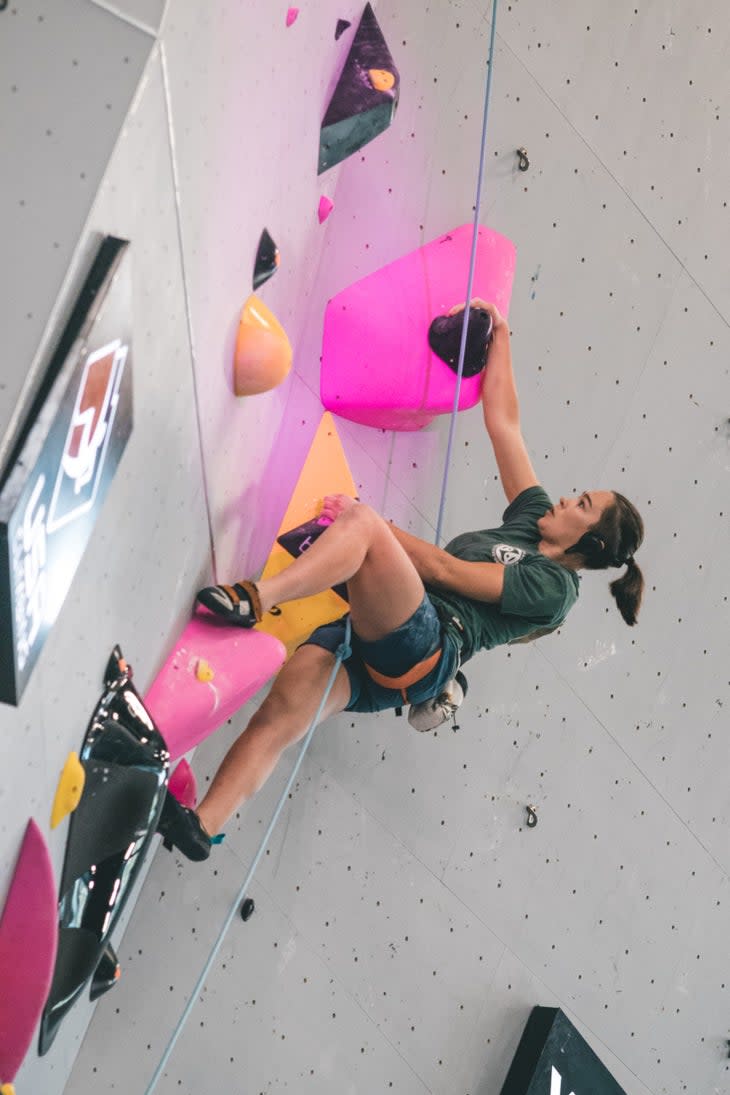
(393, 655)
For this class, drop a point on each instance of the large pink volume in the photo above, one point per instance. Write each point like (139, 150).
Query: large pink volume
(377, 366)
(212, 671)
(28, 944)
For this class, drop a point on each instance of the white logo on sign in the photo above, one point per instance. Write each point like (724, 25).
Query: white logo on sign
(88, 435)
(30, 568)
(506, 554)
(556, 1082)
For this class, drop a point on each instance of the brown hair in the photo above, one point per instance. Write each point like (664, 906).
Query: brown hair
(612, 542)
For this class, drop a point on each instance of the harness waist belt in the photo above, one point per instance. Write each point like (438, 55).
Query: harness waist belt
(405, 680)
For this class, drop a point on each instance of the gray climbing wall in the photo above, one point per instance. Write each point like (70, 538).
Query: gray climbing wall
(407, 920)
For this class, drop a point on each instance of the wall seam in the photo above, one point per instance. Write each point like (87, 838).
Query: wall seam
(111, 9)
(186, 293)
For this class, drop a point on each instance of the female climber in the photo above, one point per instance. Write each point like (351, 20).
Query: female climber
(417, 611)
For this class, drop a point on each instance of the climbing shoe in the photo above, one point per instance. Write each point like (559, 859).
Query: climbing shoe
(432, 713)
(239, 604)
(181, 828)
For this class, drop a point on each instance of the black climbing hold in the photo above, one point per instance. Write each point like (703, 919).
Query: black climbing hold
(298, 540)
(531, 817)
(444, 338)
(267, 260)
(342, 25)
(247, 908)
(523, 163)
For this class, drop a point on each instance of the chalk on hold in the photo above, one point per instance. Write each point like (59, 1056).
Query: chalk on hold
(291, 16)
(326, 205)
(69, 790)
(263, 354)
(358, 110)
(342, 25)
(203, 671)
(267, 260)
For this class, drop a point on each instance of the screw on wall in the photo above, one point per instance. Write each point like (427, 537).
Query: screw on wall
(531, 817)
(247, 909)
(523, 163)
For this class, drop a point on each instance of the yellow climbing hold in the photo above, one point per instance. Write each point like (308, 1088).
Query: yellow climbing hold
(381, 79)
(263, 353)
(203, 671)
(68, 795)
(7, 1089)
(325, 469)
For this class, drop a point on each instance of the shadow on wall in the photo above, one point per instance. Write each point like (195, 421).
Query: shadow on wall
(258, 510)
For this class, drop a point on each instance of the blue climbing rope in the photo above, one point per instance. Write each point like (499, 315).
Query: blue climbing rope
(341, 654)
(470, 282)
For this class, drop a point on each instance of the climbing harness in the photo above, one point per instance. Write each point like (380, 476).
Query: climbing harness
(406, 680)
(341, 654)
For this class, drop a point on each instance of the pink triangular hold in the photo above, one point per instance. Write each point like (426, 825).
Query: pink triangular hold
(291, 16)
(28, 944)
(183, 785)
(325, 208)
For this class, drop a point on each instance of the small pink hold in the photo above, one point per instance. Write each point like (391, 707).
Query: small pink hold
(325, 208)
(291, 16)
(183, 786)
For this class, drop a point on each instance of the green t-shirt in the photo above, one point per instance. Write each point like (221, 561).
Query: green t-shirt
(538, 592)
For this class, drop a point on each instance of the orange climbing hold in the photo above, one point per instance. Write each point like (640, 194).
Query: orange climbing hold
(381, 79)
(263, 354)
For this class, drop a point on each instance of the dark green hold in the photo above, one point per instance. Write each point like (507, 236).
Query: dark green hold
(358, 111)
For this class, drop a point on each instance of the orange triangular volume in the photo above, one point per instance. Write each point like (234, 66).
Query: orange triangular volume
(325, 471)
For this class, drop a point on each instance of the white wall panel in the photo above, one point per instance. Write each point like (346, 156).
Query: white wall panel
(646, 87)
(246, 104)
(149, 548)
(69, 74)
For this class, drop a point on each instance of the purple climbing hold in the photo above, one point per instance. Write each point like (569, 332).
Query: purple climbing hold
(342, 25)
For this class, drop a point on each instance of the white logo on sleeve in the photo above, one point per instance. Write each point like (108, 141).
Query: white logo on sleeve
(506, 554)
